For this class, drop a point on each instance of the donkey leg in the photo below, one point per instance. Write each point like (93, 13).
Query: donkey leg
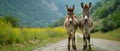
(89, 41)
(85, 42)
(73, 42)
(69, 38)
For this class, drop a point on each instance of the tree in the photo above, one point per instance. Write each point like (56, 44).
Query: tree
(12, 20)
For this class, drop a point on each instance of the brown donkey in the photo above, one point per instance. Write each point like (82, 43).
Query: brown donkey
(86, 24)
(71, 25)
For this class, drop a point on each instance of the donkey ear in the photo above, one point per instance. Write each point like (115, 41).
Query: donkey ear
(82, 4)
(67, 7)
(90, 4)
(73, 7)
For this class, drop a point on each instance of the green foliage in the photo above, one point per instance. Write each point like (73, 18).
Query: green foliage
(6, 34)
(108, 26)
(95, 29)
(10, 35)
(32, 37)
(14, 21)
(95, 7)
(112, 21)
(58, 23)
(111, 35)
(108, 11)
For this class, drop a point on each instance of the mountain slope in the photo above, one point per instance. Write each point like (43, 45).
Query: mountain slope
(31, 13)
(37, 13)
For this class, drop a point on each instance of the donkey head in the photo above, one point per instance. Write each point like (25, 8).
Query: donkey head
(85, 8)
(70, 13)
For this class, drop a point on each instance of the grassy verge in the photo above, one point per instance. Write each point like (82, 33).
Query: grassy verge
(111, 35)
(27, 39)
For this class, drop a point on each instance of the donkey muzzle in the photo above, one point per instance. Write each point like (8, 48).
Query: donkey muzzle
(86, 18)
(70, 20)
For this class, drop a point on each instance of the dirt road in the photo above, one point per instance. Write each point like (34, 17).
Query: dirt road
(97, 45)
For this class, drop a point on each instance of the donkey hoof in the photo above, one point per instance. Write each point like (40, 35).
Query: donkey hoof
(89, 46)
(68, 49)
(84, 47)
(74, 47)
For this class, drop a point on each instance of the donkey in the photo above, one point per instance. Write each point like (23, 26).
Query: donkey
(86, 24)
(71, 25)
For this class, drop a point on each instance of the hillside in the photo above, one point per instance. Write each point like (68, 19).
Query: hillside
(37, 13)
(31, 13)
(106, 15)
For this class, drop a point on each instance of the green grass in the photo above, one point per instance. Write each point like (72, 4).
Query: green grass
(111, 35)
(27, 39)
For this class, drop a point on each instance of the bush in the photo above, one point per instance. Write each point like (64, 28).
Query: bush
(6, 34)
(95, 29)
(108, 25)
(112, 21)
(12, 20)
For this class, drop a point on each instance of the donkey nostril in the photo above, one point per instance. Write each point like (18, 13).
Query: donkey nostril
(70, 22)
(85, 19)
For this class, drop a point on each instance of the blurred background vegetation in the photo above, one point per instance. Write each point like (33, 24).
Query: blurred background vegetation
(106, 15)
(14, 38)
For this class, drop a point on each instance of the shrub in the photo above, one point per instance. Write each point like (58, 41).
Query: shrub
(95, 29)
(12, 20)
(6, 34)
(108, 25)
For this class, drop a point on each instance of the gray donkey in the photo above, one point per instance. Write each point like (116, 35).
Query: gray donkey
(71, 25)
(86, 24)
